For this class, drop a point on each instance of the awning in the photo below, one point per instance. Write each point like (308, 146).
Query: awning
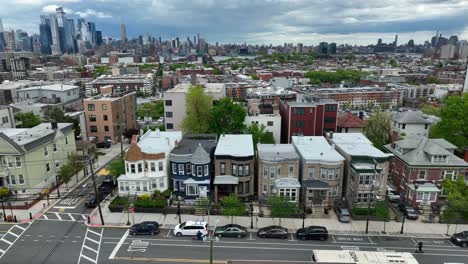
(124, 177)
(316, 184)
(192, 181)
(226, 179)
(425, 187)
(287, 183)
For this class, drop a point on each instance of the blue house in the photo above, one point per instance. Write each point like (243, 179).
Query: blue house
(191, 166)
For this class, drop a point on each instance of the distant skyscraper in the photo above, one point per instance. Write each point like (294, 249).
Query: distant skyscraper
(99, 38)
(123, 32)
(70, 39)
(2, 38)
(92, 32)
(299, 48)
(45, 35)
(56, 47)
(396, 41)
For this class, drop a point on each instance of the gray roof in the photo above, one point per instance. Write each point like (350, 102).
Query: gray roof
(189, 146)
(277, 152)
(226, 179)
(287, 183)
(200, 156)
(410, 117)
(235, 146)
(418, 151)
(316, 184)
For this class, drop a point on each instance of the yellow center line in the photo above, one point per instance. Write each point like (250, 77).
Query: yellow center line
(174, 260)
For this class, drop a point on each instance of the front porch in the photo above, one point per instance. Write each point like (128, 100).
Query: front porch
(317, 192)
(225, 185)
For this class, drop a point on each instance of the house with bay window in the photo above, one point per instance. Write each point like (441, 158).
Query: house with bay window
(234, 167)
(321, 171)
(191, 166)
(366, 168)
(425, 163)
(146, 163)
(278, 171)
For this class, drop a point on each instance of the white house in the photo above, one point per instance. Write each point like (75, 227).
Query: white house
(272, 123)
(409, 124)
(146, 163)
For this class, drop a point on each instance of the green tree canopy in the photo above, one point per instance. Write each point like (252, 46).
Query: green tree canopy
(232, 206)
(378, 129)
(318, 77)
(454, 121)
(5, 193)
(227, 117)
(153, 109)
(198, 106)
(55, 114)
(281, 207)
(65, 173)
(259, 134)
(28, 119)
(457, 200)
(116, 168)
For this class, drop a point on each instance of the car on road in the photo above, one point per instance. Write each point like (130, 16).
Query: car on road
(144, 228)
(231, 230)
(343, 215)
(312, 232)
(392, 195)
(191, 228)
(103, 144)
(460, 239)
(273, 232)
(408, 211)
(91, 202)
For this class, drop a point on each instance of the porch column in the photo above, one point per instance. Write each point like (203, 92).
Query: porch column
(216, 193)
(235, 190)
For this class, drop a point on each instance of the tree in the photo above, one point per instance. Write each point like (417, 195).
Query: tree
(382, 212)
(76, 164)
(55, 114)
(28, 119)
(377, 129)
(429, 109)
(393, 63)
(65, 173)
(5, 193)
(454, 121)
(198, 106)
(116, 168)
(255, 77)
(227, 117)
(259, 134)
(232, 206)
(129, 132)
(281, 207)
(457, 200)
(154, 110)
(433, 79)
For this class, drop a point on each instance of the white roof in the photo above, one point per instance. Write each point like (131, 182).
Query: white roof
(316, 149)
(235, 145)
(159, 141)
(52, 87)
(356, 144)
(208, 88)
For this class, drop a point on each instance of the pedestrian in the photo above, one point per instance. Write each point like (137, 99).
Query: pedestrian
(420, 246)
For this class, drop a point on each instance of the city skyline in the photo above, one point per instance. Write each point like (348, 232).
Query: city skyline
(280, 21)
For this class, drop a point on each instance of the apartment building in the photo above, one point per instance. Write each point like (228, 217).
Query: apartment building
(122, 83)
(409, 124)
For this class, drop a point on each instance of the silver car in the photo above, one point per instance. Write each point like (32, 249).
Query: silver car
(343, 215)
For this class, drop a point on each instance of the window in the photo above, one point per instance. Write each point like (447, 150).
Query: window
(127, 167)
(55, 147)
(10, 162)
(7, 180)
(106, 128)
(272, 173)
(18, 162)
(132, 168)
(426, 126)
(291, 171)
(247, 186)
(161, 183)
(168, 102)
(169, 126)
(47, 167)
(329, 120)
(104, 107)
(422, 174)
(363, 197)
(278, 171)
(57, 163)
(154, 184)
(439, 158)
(68, 93)
(403, 126)
(153, 166)
(20, 179)
(330, 108)
(449, 174)
(193, 170)
(188, 168)
(13, 179)
(247, 169)
(93, 128)
(181, 169)
(199, 171)
(234, 169)
(299, 123)
(240, 188)
(331, 174)
(46, 151)
(174, 168)
(138, 188)
(289, 193)
(206, 170)
(92, 118)
(192, 189)
(160, 165)
(298, 111)
(311, 172)
(169, 114)
(4, 119)
(311, 110)
(366, 179)
(265, 172)
(337, 173)
(269, 123)
(323, 173)
(240, 170)
(91, 107)
(222, 168)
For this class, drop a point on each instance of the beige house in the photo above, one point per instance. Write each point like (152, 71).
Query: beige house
(278, 171)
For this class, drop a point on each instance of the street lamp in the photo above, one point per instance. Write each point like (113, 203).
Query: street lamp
(58, 185)
(251, 214)
(4, 214)
(178, 212)
(303, 206)
(416, 186)
(414, 202)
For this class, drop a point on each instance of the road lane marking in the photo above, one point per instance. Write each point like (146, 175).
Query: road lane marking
(20, 227)
(96, 233)
(450, 242)
(93, 250)
(88, 258)
(119, 244)
(372, 242)
(45, 216)
(58, 216)
(71, 217)
(92, 240)
(84, 246)
(6, 241)
(168, 233)
(292, 238)
(169, 260)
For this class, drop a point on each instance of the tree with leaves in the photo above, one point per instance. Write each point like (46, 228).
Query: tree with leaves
(116, 168)
(232, 206)
(281, 207)
(198, 105)
(259, 134)
(153, 109)
(65, 173)
(55, 114)
(457, 200)
(28, 119)
(76, 164)
(454, 121)
(227, 117)
(378, 129)
(382, 212)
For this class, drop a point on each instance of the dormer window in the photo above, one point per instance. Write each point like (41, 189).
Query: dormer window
(398, 149)
(439, 158)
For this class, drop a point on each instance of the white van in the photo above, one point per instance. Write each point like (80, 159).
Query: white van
(191, 228)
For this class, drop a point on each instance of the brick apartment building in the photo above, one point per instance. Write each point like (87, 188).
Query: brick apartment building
(109, 114)
(122, 83)
(309, 118)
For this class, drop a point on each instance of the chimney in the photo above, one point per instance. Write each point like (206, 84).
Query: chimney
(54, 125)
(134, 139)
(465, 157)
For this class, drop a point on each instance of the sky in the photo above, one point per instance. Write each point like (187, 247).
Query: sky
(358, 22)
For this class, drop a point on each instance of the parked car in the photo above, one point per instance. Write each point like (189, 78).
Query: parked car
(408, 211)
(343, 215)
(460, 239)
(191, 228)
(231, 230)
(144, 228)
(312, 232)
(392, 195)
(91, 202)
(103, 144)
(273, 232)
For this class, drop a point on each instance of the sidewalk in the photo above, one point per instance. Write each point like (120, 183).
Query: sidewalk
(411, 228)
(42, 206)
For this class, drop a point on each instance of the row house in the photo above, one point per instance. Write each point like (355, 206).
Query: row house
(366, 168)
(278, 171)
(419, 166)
(321, 171)
(191, 163)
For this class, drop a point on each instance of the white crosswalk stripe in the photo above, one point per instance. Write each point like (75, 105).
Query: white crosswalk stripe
(64, 217)
(90, 251)
(6, 240)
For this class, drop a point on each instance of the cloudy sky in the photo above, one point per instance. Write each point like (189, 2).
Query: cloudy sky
(257, 21)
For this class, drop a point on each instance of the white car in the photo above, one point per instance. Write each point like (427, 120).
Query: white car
(191, 228)
(392, 195)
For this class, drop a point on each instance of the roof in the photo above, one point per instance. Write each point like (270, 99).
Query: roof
(185, 150)
(356, 144)
(346, 119)
(425, 187)
(316, 148)
(410, 117)
(235, 146)
(208, 88)
(277, 152)
(287, 183)
(316, 184)
(51, 87)
(312, 103)
(226, 179)
(153, 145)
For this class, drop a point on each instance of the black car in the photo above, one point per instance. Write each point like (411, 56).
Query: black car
(103, 144)
(144, 228)
(91, 202)
(408, 211)
(273, 232)
(312, 232)
(231, 230)
(460, 239)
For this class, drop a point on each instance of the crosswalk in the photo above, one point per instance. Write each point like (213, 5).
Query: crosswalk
(67, 217)
(91, 246)
(10, 237)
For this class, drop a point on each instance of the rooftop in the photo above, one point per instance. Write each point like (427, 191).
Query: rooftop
(356, 144)
(309, 103)
(209, 87)
(159, 141)
(235, 146)
(52, 87)
(347, 119)
(316, 148)
(277, 152)
(410, 117)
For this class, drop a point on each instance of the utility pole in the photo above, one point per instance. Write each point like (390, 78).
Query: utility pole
(98, 198)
